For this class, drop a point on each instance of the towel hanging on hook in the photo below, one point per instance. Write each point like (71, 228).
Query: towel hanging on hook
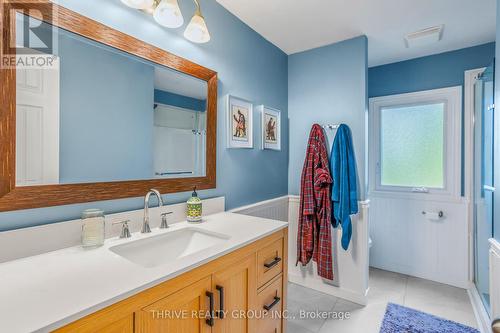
(344, 189)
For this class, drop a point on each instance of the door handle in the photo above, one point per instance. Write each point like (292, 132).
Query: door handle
(270, 306)
(420, 190)
(220, 289)
(210, 320)
(488, 188)
(272, 263)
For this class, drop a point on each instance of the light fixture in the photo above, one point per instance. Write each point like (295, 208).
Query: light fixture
(168, 14)
(139, 4)
(197, 30)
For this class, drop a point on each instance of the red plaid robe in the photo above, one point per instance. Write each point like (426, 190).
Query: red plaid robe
(314, 238)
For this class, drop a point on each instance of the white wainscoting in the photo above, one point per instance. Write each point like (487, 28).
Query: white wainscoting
(274, 209)
(495, 278)
(406, 241)
(350, 267)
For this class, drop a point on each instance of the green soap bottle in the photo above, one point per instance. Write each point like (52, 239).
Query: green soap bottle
(194, 208)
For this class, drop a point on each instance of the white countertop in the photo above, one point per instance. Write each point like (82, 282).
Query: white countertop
(47, 291)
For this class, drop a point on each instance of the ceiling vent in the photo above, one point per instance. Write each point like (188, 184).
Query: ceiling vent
(424, 37)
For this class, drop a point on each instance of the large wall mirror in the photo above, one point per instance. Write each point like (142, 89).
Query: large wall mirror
(109, 117)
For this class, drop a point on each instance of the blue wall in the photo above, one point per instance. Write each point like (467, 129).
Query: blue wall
(96, 140)
(327, 85)
(431, 72)
(248, 66)
(168, 98)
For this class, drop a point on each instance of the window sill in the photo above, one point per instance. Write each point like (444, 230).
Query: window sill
(417, 196)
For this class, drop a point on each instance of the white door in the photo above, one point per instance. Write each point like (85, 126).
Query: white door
(37, 126)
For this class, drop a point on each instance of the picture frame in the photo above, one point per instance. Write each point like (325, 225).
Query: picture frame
(271, 128)
(239, 119)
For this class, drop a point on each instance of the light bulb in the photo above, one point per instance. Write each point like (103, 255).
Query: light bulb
(139, 4)
(197, 30)
(168, 14)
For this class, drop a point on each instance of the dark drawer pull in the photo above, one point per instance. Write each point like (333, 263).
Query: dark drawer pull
(272, 263)
(270, 306)
(220, 289)
(210, 320)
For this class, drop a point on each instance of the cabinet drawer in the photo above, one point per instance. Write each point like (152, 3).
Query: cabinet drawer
(269, 262)
(270, 300)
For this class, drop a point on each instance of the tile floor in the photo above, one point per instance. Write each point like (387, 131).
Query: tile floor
(427, 296)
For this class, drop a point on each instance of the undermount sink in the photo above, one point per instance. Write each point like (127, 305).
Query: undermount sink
(165, 248)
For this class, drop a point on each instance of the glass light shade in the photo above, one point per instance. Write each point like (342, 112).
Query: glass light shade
(168, 14)
(139, 4)
(197, 30)
(149, 10)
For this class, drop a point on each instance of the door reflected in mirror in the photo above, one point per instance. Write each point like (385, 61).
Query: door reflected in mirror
(99, 114)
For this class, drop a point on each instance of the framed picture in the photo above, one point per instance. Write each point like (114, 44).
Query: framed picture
(271, 128)
(239, 123)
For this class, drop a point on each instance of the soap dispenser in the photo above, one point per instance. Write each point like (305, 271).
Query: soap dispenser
(194, 208)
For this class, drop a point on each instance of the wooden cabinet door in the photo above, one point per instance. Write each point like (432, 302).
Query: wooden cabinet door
(124, 325)
(104, 324)
(184, 311)
(235, 289)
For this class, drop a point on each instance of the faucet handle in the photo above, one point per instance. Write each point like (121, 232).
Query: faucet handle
(125, 229)
(164, 222)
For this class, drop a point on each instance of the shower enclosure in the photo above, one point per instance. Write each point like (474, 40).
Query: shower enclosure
(484, 189)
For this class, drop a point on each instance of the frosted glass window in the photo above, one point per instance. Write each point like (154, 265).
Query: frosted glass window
(412, 146)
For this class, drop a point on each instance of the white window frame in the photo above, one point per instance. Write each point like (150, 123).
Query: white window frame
(452, 98)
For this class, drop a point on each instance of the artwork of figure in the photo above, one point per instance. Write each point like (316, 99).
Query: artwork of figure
(239, 119)
(270, 128)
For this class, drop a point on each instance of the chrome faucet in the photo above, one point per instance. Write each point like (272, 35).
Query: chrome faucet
(145, 225)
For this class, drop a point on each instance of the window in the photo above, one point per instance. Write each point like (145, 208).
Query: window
(416, 142)
(412, 142)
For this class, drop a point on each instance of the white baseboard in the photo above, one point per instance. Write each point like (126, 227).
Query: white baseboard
(494, 263)
(482, 317)
(319, 285)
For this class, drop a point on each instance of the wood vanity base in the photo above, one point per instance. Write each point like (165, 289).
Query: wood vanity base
(238, 287)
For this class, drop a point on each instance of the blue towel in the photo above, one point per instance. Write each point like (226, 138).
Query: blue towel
(345, 187)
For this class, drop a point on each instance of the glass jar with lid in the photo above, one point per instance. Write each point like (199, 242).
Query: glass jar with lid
(92, 228)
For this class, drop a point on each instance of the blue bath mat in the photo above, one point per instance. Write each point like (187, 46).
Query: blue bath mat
(400, 319)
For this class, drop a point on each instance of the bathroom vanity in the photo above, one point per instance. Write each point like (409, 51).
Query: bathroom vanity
(227, 274)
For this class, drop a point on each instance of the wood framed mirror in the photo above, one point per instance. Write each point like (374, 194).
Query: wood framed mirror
(113, 118)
